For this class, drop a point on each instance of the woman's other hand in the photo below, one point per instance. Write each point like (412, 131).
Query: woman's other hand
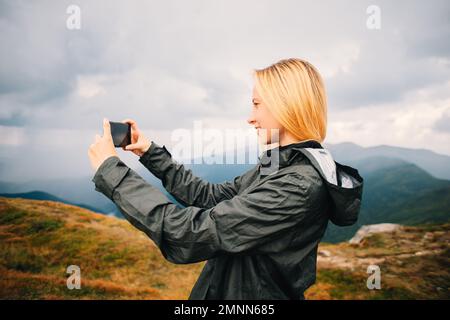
(139, 143)
(103, 147)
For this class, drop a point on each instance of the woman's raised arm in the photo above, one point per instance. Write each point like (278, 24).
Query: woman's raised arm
(183, 185)
(263, 220)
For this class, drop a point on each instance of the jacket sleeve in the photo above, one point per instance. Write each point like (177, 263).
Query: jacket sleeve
(182, 184)
(185, 235)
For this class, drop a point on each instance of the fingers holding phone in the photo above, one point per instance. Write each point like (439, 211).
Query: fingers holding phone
(139, 143)
(103, 146)
(134, 129)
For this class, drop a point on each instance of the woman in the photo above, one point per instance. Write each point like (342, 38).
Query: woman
(261, 231)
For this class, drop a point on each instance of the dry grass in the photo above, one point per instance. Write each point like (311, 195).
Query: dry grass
(40, 239)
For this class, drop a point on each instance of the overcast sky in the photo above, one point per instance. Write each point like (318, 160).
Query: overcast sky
(170, 63)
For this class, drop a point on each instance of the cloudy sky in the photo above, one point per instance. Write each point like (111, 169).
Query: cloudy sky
(168, 64)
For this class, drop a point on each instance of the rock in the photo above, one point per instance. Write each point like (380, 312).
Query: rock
(366, 230)
(324, 253)
(427, 252)
(428, 236)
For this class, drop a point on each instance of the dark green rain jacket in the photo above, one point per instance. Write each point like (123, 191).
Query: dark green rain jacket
(259, 232)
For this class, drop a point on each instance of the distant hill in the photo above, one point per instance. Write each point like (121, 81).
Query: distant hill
(40, 239)
(436, 164)
(40, 195)
(76, 190)
(73, 191)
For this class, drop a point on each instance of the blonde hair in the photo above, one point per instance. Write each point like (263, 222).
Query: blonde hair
(294, 92)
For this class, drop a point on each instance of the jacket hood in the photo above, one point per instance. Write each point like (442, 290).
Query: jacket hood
(344, 184)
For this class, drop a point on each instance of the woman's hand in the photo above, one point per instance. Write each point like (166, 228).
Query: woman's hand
(103, 147)
(139, 143)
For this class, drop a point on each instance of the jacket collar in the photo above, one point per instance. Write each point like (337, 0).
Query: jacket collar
(279, 157)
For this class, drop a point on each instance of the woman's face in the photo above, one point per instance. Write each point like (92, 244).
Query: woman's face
(263, 120)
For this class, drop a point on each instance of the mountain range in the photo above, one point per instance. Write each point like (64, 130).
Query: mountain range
(401, 185)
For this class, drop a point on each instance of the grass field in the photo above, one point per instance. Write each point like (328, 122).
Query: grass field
(40, 239)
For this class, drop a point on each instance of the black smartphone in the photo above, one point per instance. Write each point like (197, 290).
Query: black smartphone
(121, 134)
